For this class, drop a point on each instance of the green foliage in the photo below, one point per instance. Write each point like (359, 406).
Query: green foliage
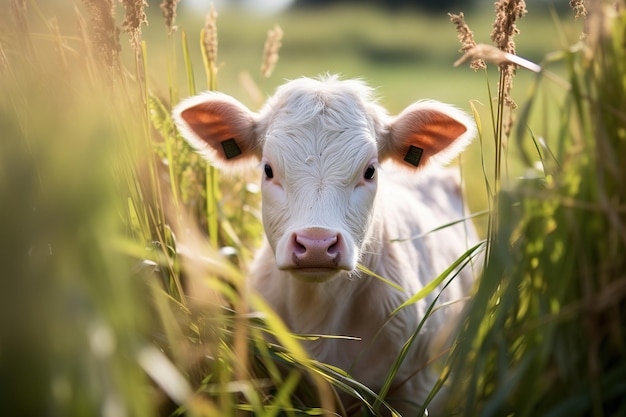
(546, 328)
(124, 255)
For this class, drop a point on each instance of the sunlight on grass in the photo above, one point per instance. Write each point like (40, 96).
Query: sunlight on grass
(125, 254)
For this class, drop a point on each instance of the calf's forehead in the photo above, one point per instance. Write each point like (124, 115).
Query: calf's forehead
(309, 118)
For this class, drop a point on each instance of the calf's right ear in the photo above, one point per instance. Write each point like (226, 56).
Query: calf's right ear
(220, 128)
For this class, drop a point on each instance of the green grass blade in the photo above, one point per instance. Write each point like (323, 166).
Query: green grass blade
(450, 224)
(375, 275)
(430, 287)
(191, 82)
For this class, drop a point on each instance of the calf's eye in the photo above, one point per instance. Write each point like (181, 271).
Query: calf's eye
(268, 171)
(369, 172)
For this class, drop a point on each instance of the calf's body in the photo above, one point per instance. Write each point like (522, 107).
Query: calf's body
(345, 184)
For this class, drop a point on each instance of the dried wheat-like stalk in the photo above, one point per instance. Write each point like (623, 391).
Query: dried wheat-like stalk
(466, 37)
(105, 35)
(579, 8)
(209, 39)
(270, 51)
(133, 19)
(496, 56)
(490, 53)
(508, 12)
(169, 14)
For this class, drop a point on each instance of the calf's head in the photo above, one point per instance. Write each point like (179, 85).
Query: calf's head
(319, 145)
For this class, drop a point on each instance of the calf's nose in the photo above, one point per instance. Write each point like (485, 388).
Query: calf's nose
(316, 247)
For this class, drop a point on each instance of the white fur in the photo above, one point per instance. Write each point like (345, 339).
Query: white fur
(318, 137)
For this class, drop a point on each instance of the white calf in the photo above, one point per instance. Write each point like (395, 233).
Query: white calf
(343, 184)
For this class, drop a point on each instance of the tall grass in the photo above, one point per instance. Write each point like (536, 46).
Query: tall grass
(72, 314)
(123, 291)
(545, 333)
(124, 255)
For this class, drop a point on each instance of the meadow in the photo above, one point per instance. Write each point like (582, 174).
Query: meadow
(124, 254)
(406, 56)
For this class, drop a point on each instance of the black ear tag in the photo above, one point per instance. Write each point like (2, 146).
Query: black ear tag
(413, 155)
(231, 149)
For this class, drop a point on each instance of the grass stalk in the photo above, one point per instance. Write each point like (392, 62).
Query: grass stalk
(208, 46)
(118, 301)
(532, 318)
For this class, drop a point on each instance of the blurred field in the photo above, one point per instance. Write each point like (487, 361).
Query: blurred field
(117, 298)
(407, 56)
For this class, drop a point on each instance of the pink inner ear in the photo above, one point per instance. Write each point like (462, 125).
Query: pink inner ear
(209, 125)
(435, 132)
(432, 131)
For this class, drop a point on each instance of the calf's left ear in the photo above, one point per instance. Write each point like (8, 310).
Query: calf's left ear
(427, 132)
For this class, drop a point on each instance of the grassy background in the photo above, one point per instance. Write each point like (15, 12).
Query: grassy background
(407, 56)
(117, 298)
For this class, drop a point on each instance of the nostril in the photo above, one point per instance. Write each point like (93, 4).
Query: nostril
(302, 244)
(315, 248)
(298, 248)
(333, 249)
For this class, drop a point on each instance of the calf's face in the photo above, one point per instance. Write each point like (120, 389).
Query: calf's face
(319, 161)
(319, 144)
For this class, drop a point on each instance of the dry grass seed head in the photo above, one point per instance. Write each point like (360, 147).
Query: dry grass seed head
(270, 51)
(133, 19)
(508, 12)
(105, 35)
(168, 7)
(209, 36)
(599, 24)
(579, 8)
(510, 71)
(466, 37)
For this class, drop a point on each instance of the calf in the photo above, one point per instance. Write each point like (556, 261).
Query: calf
(346, 184)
